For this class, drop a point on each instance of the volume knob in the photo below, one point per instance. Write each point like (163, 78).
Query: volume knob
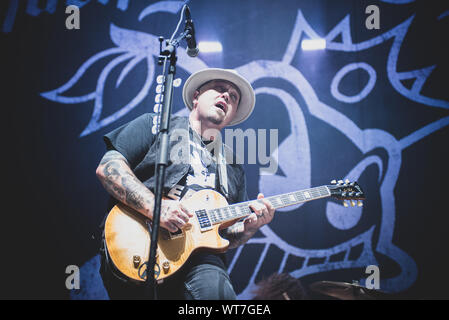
(136, 261)
(166, 266)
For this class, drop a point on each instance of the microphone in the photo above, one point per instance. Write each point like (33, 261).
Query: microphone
(192, 49)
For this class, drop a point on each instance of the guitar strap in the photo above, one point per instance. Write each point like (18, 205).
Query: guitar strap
(222, 172)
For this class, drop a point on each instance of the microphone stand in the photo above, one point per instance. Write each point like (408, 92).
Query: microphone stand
(162, 163)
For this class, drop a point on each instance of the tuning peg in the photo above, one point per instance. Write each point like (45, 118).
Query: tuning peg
(334, 182)
(352, 203)
(340, 181)
(359, 203)
(347, 181)
(345, 204)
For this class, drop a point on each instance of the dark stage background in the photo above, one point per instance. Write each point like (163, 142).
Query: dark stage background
(372, 107)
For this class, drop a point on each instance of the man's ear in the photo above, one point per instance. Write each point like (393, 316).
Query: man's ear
(195, 98)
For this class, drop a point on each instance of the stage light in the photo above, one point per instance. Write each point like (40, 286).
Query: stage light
(210, 46)
(313, 44)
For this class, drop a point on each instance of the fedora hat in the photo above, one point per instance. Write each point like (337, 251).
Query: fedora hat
(247, 96)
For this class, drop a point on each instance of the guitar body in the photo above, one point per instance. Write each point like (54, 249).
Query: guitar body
(128, 240)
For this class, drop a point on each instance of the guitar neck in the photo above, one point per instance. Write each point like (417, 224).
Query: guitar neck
(242, 209)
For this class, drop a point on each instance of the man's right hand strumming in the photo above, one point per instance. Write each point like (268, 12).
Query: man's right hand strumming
(174, 215)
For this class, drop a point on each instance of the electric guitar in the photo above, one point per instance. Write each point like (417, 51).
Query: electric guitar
(128, 240)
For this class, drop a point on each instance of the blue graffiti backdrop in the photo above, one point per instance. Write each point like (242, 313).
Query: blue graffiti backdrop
(372, 107)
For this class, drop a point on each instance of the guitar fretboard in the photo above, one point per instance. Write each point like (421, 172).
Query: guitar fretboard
(241, 210)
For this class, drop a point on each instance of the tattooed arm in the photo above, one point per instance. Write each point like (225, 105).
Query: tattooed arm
(120, 181)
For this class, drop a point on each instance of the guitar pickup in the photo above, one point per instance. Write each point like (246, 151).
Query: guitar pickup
(203, 220)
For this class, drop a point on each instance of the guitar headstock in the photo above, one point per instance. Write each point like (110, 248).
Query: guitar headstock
(346, 190)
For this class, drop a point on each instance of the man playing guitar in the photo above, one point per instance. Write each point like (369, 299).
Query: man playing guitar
(217, 98)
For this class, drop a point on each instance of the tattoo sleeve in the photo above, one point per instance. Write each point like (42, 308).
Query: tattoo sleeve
(119, 181)
(237, 235)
